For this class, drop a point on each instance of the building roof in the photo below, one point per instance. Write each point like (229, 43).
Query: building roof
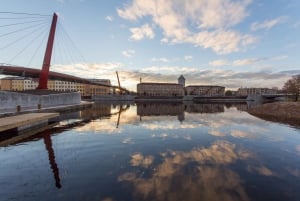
(204, 86)
(14, 78)
(157, 83)
(181, 77)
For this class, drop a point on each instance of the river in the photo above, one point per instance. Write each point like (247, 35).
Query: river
(155, 151)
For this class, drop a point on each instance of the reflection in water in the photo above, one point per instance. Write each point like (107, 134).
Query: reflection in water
(178, 109)
(204, 108)
(218, 152)
(54, 167)
(201, 173)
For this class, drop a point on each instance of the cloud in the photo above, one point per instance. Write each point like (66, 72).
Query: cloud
(244, 62)
(281, 57)
(128, 53)
(169, 70)
(219, 63)
(204, 23)
(267, 24)
(138, 33)
(169, 73)
(238, 62)
(188, 57)
(109, 18)
(162, 59)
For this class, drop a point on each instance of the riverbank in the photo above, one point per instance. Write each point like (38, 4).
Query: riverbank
(283, 112)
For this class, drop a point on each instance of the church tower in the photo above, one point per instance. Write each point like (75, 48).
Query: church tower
(181, 80)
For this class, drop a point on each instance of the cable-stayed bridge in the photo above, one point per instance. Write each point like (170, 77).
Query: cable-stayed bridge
(26, 30)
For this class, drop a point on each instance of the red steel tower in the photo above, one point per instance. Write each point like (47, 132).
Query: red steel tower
(43, 82)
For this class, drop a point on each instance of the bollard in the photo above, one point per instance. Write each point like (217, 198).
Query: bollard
(18, 108)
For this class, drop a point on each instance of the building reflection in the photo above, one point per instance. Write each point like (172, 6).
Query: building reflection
(157, 109)
(204, 108)
(161, 109)
(179, 109)
(96, 111)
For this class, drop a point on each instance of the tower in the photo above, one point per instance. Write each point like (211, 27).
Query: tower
(181, 80)
(43, 82)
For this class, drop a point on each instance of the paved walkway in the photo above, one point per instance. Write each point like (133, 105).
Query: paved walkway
(11, 122)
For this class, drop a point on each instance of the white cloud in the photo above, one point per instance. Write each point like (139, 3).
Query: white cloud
(219, 63)
(164, 40)
(267, 24)
(166, 70)
(129, 78)
(282, 57)
(128, 53)
(244, 62)
(238, 62)
(109, 18)
(139, 33)
(211, 20)
(188, 57)
(165, 60)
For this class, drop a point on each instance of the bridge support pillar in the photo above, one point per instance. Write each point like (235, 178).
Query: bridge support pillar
(43, 82)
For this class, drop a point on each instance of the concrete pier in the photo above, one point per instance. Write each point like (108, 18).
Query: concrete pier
(24, 120)
(37, 99)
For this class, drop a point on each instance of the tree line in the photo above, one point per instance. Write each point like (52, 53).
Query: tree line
(292, 86)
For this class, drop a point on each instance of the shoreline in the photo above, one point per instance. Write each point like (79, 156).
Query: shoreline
(282, 112)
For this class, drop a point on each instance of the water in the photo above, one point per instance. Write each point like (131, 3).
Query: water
(155, 152)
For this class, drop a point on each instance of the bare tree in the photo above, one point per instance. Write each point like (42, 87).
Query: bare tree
(292, 86)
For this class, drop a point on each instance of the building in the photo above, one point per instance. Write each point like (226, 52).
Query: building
(181, 80)
(12, 83)
(205, 90)
(91, 89)
(23, 84)
(160, 89)
(250, 91)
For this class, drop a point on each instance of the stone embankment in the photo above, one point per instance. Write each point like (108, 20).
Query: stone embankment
(283, 112)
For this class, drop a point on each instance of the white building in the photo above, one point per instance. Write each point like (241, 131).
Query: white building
(250, 91)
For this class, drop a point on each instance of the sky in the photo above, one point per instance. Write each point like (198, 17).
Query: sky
(232, 43)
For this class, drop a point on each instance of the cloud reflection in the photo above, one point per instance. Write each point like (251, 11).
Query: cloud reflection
(198, 174)
(139, 159)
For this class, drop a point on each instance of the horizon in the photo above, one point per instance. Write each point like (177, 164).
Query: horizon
(228, 43)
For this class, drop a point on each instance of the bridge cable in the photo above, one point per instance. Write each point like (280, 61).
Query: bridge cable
(20, 38)
(17, 13)
(21, 29)
(72, 42)
(39, 46)
(20, 23)
(28, 45)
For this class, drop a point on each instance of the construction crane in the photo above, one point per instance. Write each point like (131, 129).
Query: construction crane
(119, 82)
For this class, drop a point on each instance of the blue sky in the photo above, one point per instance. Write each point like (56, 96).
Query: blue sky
(234, 43)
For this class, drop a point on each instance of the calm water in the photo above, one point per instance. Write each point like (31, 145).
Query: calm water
(155, 152)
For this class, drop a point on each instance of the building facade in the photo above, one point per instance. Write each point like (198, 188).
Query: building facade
(91, 89)
(12, 83)
(205, 90)
(160, 89)
(23, 84)
(250, 91)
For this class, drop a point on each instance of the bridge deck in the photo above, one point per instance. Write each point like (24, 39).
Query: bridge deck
(11, 122)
